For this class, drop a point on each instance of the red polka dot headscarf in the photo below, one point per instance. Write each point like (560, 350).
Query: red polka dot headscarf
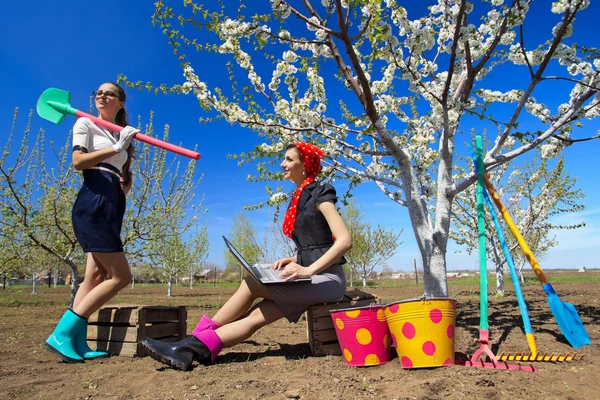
(311, 157)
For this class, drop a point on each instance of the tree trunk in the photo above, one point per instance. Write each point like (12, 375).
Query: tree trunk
(499, 261)
(34, 284)
(364, 281)
(170, 286)
(133, 278)
(500, 279)
(416, 274)
(56, 276)
(520, 272)
(49, 278)
(191, 280)
(351, 276)
(4, 282)
(434, 274)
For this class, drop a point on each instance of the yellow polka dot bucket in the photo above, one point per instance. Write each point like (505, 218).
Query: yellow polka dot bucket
(423, 331)
(363, 334)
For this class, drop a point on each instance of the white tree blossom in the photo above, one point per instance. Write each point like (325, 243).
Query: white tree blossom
(385, 92)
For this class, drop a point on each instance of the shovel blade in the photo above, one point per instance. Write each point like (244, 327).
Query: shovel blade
(567, 318)
(46, 111)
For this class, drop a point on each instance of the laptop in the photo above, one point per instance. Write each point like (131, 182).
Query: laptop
(263, 273)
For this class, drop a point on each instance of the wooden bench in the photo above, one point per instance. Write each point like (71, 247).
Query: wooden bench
(322, 338)
(118, 329)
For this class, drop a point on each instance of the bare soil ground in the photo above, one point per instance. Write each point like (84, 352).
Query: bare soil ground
(276, 362)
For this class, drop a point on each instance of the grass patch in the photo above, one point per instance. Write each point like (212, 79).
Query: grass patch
(564, 278)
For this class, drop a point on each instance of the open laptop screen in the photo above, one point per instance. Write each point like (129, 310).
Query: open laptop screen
(264, 276)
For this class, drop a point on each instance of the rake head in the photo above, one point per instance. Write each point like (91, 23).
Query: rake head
(478, 359)
(495, 364)
(537, 357)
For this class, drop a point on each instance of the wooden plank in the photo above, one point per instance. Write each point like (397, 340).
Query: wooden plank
(162, 314)
(115, 348)
(156, 331)
(323, 323)
(325, 336)
(112, 333)
(332, 349)
(128, 316)
(141, 329)
(182, 323)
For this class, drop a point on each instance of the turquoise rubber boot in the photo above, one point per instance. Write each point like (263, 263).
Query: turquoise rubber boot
(81, 346)
(61, 341)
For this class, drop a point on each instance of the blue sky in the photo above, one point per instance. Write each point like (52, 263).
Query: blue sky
(77, 45)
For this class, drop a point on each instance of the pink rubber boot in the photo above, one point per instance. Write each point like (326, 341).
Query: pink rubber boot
(204, 324)
(211, 340)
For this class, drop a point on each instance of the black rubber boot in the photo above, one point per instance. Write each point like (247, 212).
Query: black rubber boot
(178, 355)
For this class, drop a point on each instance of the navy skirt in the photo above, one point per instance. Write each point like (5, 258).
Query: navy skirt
(98, 212)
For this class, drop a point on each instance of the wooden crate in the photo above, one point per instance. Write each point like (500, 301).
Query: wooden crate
(118, 329)
(322, 338)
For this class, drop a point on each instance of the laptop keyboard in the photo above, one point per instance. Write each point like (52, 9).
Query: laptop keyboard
(267, 274)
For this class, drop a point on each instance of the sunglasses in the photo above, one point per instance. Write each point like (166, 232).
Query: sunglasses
(107, 93)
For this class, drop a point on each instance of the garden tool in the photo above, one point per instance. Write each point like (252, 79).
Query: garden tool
(53, 105)
(533, 354)
(566, 315)
(478, 359)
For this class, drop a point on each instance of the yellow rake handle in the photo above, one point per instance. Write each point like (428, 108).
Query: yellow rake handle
(515, 231)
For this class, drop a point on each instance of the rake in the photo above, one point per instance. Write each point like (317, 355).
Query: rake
(478, 359)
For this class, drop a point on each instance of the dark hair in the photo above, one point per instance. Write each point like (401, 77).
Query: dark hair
(122, 120)
(293, 146)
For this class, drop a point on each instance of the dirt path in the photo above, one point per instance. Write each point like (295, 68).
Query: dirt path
(276, 362)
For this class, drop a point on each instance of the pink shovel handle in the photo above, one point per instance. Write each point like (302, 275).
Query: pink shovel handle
(147, 139)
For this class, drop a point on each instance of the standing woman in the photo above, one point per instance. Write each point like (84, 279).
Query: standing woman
(312, 221)
(105, 159)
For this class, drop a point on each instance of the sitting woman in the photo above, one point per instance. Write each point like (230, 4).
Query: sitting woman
(312, 221)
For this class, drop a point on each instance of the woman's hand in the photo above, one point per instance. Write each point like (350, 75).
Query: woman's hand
(294, 271)
(125, 137)
(279, 264)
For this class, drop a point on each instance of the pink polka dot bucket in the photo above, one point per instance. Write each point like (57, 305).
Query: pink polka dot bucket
(423, 331)
(363, 334)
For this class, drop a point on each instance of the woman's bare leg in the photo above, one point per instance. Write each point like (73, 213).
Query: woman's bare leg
(240, 302)
(117, 267)
(94, 275)
(261, 314)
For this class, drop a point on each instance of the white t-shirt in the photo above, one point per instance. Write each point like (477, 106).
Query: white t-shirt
(89, 137)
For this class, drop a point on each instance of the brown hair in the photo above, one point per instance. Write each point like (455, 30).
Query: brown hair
(293, 146)
(122, 120)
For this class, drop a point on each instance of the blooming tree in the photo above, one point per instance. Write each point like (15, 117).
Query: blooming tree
(404, 88)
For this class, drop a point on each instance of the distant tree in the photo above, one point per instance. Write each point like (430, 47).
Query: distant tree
(172, 248)
(245, 239)
(198, 247)
(276, 244)
(371, 247)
